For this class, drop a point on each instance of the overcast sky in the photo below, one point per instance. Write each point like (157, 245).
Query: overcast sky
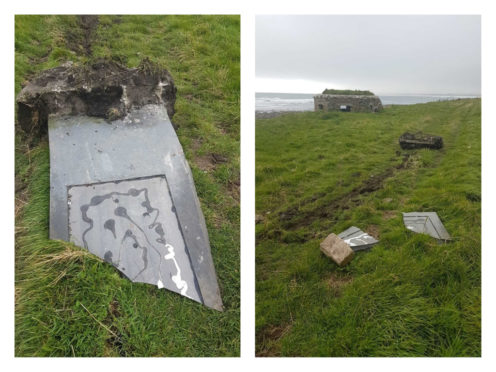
(386, 54)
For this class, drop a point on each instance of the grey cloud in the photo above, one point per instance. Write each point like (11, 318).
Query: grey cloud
(387, 54)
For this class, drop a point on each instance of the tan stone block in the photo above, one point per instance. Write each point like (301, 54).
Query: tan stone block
(335, 247)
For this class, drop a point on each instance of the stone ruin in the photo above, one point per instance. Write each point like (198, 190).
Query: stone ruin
(348, 103)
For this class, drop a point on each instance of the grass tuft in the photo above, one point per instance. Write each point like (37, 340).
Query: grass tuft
(68, 255)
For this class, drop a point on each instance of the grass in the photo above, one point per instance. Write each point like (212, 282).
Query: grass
(70, 303)
(348, 92)
(322, 172)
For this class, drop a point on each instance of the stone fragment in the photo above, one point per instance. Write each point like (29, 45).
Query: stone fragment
(357, 239)
(336, 248)
(426, 223)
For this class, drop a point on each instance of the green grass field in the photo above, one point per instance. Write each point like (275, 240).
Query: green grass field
(70, 303)
(322, 172)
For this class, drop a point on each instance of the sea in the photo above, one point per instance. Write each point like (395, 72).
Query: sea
(272, 102)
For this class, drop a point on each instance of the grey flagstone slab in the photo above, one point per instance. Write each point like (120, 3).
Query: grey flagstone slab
(357, 239)
(124, 191)
(426, 223)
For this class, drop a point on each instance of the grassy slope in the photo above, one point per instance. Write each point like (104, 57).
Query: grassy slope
(69, 302)
(408, 296)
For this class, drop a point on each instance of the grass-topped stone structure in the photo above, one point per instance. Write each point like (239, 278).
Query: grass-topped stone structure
(347, 100)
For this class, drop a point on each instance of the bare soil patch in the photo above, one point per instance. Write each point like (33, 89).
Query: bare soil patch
(336, 283)
(373, 230)
(270, 335)
(205, 162)
(388, 215)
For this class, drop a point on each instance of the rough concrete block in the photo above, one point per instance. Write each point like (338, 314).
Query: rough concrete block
(420, 140)
(336, 248)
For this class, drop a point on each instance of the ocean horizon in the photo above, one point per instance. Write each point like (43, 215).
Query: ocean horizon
(271, 102)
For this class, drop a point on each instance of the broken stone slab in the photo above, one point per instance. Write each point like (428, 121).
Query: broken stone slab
(420, 140)
(426, 223)
(124, 191)
(131, 225)
(337, 249)
(103, 89)
(357, 239)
